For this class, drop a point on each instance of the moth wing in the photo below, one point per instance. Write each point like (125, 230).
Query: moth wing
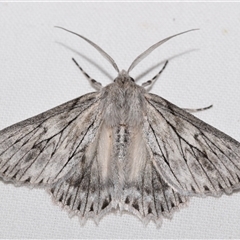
(149, 197)
(193, 157)
(48, 147)
(89, 191)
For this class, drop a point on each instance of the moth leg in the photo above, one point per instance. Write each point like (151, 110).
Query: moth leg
(150, 82)
(95, 83)
(192, 110)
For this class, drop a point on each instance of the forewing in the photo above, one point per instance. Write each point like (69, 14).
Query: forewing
(192, 156)
(45, 148)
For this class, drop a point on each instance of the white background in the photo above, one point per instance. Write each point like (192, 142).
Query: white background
(36, 74)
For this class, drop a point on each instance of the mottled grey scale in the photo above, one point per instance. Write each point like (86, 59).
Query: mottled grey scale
(120, 148)
(26, 161)
(25, 156)
(10, 149)
(209, 162)
(151, 197)
(83, 193)
(229, 165)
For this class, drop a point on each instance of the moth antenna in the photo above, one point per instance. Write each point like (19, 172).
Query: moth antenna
(150, 82)
(95, 83)
(153, 47)
(193, 110)
(103, 53)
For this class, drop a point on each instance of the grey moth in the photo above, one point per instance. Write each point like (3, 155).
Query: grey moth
(120, 148)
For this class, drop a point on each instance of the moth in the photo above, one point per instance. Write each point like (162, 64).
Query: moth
(120, 148)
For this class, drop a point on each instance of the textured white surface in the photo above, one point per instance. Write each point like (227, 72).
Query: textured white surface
(37, 74)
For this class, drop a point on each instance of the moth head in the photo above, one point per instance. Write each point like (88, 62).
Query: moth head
(123, 78)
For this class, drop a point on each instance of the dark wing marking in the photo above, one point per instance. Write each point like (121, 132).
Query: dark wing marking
(45, 148)
(192, 157)
(151, 198)
(84, 194)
